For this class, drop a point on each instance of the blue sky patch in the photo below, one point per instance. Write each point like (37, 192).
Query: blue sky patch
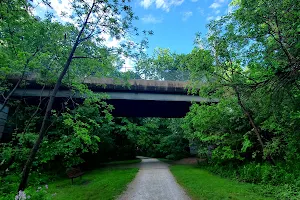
(175, 22)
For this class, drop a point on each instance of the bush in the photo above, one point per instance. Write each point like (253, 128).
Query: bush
(32, 193)
(8, 185)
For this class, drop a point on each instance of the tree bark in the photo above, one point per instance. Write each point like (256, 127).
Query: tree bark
(35, 148)
(250, 118)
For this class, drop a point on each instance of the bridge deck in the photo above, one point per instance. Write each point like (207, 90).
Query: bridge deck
(109, 84)
(133, 98)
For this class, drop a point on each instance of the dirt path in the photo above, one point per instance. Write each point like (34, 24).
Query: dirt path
(154, 181)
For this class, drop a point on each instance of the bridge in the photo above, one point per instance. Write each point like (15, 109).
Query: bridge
(132, 98)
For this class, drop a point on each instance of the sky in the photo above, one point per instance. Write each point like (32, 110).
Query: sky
(175, 22)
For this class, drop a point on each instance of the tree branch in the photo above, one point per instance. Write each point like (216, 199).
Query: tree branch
(87, 57)
(35, 148)
(6, 99)
(36, 111)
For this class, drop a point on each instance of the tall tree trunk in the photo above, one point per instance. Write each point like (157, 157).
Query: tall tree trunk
(42, 132)
(250, 118)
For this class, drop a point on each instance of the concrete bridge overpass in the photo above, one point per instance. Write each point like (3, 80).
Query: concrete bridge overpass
(133, 98)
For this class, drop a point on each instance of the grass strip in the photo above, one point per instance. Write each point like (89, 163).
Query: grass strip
(104, 184)
(203, 185)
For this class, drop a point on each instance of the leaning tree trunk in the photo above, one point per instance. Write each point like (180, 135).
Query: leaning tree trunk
(250, 118)
(34, 150)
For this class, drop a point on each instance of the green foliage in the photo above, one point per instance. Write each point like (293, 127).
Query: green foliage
(162, 138)
(163, 65)
(220, 127)
(73, 133)
(250, 62)
(51, 52)
(174, 145)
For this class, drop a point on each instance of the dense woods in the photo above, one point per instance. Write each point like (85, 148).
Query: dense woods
(249, 61)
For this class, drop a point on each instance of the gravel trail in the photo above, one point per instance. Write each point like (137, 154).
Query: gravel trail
(154, 181)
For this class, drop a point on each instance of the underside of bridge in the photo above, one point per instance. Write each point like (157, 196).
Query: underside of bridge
(130, 105)
(164, 109)
(140, 98)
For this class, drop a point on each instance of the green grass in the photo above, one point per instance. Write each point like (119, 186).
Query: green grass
(123, 162)
(203, 185)
(98, 184)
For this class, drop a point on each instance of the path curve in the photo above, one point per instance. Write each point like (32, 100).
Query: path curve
(154, 181)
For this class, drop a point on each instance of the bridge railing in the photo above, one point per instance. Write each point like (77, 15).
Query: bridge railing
(161, 75)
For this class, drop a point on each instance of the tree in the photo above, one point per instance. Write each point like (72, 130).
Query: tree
(271, 27)
(23, 44)
(163, 65)
(249, 57)
(93, 19)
